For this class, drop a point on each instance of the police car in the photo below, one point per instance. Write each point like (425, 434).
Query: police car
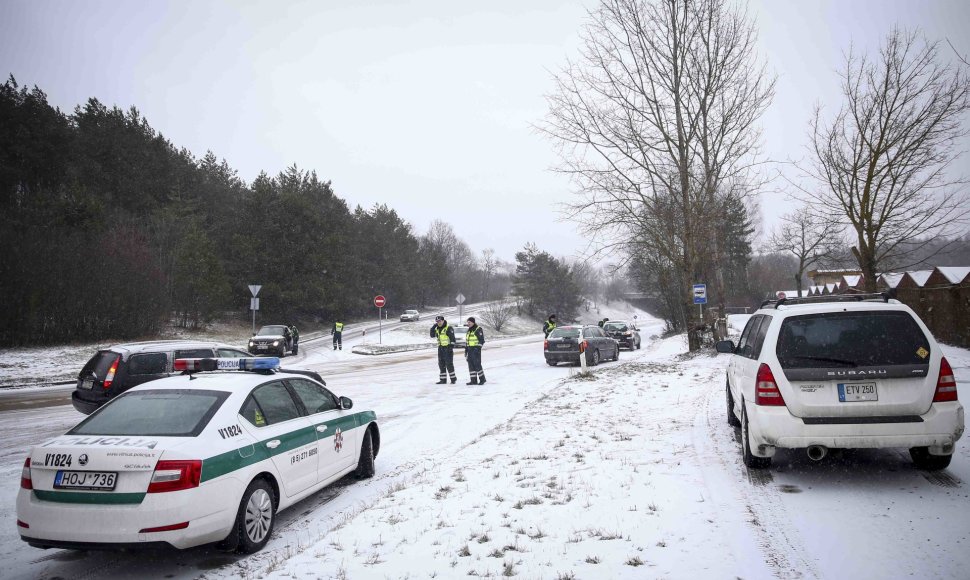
(194, 458)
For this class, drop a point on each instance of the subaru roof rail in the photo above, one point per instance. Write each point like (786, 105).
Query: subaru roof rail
(884, 296)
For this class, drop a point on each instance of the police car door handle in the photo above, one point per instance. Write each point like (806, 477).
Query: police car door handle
(273, 444)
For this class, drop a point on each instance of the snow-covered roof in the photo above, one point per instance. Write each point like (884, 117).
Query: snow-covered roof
(920, 276)
(830, 288)
(892, 279)
(955, 274)
(851, 281)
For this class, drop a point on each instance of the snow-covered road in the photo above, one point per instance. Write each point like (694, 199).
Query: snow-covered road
(633, 474)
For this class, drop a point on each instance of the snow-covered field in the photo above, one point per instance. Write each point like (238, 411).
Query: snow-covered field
(545, 474)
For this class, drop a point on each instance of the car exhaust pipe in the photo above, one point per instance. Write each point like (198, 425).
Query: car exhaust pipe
(817, 452)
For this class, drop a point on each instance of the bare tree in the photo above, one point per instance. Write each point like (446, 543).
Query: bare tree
(883, 159)
(497, 314)
(653, 120)
(811, 239)
(489, 263)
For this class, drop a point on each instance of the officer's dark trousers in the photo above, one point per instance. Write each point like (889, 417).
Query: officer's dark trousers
(446, 363)
(474, 356)
(338, 340)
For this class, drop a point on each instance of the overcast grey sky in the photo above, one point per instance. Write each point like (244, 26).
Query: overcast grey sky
(425, 105)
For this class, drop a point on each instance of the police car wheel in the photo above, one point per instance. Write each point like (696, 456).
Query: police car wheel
(365, 466)
(256, 516)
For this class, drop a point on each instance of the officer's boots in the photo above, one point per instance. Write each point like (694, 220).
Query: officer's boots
(442, 380)
(474, 380)
(481, 378)
(454, 379)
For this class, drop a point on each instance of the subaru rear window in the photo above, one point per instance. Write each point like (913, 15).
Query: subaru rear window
(615, 326)
(158, 413)
(851, 339)
(564, 333)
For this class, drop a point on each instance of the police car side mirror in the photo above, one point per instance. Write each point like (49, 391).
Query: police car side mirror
(725, 346)
(346, 403)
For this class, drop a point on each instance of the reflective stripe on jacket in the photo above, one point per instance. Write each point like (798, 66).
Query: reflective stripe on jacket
(442, 334)
(475, 337)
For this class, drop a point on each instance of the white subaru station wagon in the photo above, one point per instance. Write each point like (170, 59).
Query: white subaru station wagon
(850, 371)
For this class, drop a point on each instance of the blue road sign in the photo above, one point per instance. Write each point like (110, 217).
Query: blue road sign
(700, 293)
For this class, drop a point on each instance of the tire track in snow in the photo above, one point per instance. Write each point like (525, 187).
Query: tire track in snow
(777, 542)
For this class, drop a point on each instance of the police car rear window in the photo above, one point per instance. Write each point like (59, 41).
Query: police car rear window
(564, 333)
(159, 413)
(851, 339)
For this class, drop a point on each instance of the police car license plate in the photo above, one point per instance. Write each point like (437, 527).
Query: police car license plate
(87, 480)
(855, 392)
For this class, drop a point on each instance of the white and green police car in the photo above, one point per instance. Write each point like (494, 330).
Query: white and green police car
(192, 459)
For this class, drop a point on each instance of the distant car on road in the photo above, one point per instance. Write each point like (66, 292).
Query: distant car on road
(624, 332)
(566, 343)
(410, 316)
(461, 336)
(193, 459)
(852, 371)
(116, 369)
(274, 340)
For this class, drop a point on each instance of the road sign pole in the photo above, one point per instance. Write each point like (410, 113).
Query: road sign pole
(380, 326)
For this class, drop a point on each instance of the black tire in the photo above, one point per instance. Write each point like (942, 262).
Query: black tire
(616, 356)
(923, 460)
(254, 520)
(750, 460)
(282, 353)
(595, 359)
(365, 465)
(732, 419)
(551, 363)
(639, 342)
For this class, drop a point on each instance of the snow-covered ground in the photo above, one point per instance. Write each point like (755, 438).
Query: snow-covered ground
(543, 474)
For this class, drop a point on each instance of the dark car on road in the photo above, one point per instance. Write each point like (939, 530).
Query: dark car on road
(118, 368)
(624, 332)
(273, 340)
(567, 343)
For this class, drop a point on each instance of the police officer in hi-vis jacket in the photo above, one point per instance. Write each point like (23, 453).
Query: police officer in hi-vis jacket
(338, 332)
(473, 351)
(445, 335)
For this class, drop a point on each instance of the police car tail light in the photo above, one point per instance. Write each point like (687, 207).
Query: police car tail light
(766, 389)
(545, 344)
(110, 377)
(175, 475)
(946, 384)
(25, 481)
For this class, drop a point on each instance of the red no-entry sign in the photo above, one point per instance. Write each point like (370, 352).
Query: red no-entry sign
(379, 301)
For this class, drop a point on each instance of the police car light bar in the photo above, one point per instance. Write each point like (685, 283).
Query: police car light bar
(211, 364)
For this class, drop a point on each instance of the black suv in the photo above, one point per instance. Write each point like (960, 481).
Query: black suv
(624, 332)
(273, 339)
(118, 368)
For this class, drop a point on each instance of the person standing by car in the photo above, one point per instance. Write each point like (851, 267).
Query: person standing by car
(602, 322)
(549, 325)
(295, 334)
(445, 335)
(473, 352)
(338, 331)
